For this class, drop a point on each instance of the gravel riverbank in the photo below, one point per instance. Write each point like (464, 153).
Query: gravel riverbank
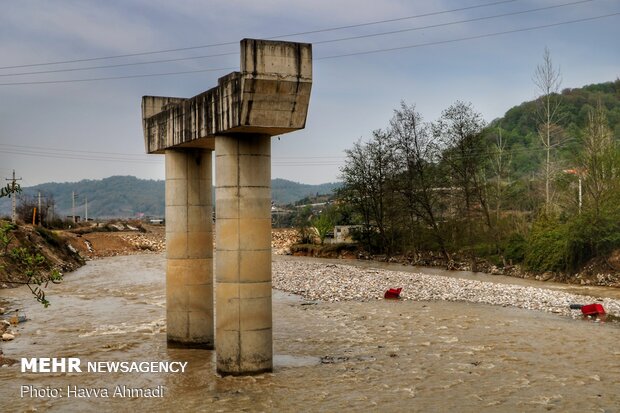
(336, 282)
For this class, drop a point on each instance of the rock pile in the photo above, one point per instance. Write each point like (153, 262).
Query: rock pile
(144, 243)
(335, 282)
(282, 240)
(5, 332)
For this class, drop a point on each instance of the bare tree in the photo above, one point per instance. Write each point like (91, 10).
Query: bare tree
(599, 159)
(28, 204)
(368, 177)
(417, 154)
(548, 79)
(500, 162)
(459, 130)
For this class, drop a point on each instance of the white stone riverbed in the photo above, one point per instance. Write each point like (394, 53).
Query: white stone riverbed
(319, 280)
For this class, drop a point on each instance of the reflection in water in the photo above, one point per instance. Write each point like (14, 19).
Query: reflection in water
(352, 356)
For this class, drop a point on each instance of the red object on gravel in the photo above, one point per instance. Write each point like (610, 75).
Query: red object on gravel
(593, 309)
(393, 293)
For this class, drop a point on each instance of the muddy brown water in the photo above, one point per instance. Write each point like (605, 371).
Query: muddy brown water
(388, 356)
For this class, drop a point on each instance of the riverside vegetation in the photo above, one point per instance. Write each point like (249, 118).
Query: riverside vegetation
(539, 187)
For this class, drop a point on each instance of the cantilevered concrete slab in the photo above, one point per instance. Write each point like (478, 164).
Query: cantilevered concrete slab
(268, 96)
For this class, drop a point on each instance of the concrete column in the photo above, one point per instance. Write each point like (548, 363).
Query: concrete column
(189, 248)
(243, 255)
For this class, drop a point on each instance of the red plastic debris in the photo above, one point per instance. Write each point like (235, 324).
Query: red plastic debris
(393, 293)
(593, 309)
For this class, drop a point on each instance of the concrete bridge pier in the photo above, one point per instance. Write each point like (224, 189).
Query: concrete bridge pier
(243, 256)
(268, 96)
(189, 248)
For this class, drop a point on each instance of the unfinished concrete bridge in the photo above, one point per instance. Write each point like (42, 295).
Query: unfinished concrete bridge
(236, 119)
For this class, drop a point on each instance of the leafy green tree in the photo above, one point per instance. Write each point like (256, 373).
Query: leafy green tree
(324, 223)
(11, 189)
(302, 223)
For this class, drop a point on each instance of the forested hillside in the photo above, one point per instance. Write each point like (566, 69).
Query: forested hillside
(116, 196)
(539, 186)
(287, 192)
(128, 196)
(519, 125)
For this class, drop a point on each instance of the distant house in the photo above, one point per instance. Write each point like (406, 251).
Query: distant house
(342, 233)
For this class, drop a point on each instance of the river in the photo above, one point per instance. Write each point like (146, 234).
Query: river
(349, 356)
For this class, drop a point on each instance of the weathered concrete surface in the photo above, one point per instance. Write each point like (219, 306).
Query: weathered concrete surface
(243, 256)
(189, 248)
(270, 96)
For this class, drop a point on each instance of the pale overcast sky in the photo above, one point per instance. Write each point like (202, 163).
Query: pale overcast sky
(90, 130)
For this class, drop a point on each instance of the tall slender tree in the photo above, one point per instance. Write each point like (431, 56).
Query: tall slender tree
(500, 162)
(548, 80)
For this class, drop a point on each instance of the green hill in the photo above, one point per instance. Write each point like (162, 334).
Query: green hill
(128, 196)
(519, 125)
(116, 196)
(287, 192)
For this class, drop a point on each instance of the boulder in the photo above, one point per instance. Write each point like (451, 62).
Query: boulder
(7, 337)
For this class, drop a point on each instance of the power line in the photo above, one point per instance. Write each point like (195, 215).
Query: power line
(383, 50)
(121, 64)
(76, 157)
(278, 161)
(432, 26)
(94, 155)
(63, 150)
(43, 82)
(179, 49)
(481, 36)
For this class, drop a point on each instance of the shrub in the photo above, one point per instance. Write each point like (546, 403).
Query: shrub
(514, 248)
(49, 236)
(547, 246)
(592, 236)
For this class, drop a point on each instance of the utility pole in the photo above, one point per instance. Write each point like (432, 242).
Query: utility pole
(73, 206)
(13, 186)
(580, 197)
(579, 173)
(86, 209)
(40, 223)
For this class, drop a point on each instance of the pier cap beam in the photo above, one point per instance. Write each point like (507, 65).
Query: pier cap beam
(268, 96)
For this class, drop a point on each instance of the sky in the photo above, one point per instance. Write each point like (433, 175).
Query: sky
(63, 126)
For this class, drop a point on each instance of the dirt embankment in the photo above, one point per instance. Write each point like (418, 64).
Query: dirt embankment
(111, 239)
(24, 243)
(67, 250)
(108, 240)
